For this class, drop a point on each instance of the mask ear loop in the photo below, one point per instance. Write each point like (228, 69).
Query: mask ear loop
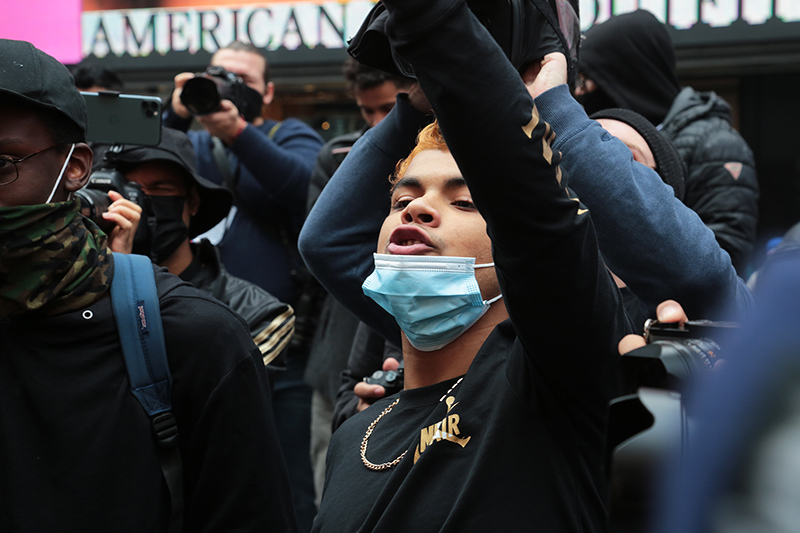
(493, 300)
(60, 174)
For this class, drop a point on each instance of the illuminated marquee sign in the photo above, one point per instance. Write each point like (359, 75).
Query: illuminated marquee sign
(683, 14)
(289, 25)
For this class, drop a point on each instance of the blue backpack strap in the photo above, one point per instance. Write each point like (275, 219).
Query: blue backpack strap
(137, 311)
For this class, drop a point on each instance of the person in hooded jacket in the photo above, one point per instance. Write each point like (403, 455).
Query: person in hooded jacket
(181, 205)
(628, 61)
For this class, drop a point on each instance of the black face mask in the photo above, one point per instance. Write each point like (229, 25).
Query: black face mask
(166, 230)
(595, 101)
(251, 102)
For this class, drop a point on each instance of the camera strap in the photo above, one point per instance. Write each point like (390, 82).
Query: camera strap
(310, 292)
(230, 180)
(223, 165)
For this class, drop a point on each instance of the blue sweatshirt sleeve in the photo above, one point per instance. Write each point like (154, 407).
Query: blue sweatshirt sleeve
(341, 232)
(278, 168)
(659, 247)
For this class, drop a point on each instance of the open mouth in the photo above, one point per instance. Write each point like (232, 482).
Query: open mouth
(408, 240)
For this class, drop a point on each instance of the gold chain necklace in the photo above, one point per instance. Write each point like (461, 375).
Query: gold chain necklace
(371, 428)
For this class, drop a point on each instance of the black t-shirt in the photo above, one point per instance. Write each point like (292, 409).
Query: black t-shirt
(77, 451)
(509, 441)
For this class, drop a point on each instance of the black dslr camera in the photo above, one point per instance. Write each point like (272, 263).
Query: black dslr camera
(675, 355)
(204, 93)
(94, 197)
(651, 421)
(391, 380)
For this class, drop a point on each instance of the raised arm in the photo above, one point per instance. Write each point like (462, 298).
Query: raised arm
(544, 246)
(341, 232)
(659, 247)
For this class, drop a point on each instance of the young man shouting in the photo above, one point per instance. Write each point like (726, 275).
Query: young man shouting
(509, 319)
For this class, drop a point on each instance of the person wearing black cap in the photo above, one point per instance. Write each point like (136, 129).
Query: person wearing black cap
(267, 164)
(78, 450)
(648, 146)
(181, 205)
(628, 61)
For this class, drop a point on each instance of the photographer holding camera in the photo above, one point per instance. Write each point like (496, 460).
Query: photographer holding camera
(178, 205)
(265, 163)
(267, 166)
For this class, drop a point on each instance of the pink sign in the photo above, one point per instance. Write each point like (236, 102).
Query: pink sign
(51, 26)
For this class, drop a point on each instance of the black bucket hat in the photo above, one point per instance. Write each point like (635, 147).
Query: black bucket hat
(175, 147)
(30, 75)
(669, 163)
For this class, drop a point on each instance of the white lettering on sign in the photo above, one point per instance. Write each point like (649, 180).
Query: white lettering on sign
(329, 24)
(290, 25)
(683, 14)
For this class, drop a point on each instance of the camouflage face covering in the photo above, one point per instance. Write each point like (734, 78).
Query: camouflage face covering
(52, 260)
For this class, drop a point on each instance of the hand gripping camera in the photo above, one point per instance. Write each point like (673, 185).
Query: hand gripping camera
(651, 421)
(391, 380)
(204, 93)
(94, 197)
(675, 355)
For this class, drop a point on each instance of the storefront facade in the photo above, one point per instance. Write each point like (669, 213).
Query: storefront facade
(748, 51)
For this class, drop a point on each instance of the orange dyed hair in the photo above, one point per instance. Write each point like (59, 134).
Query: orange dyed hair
(430, 138)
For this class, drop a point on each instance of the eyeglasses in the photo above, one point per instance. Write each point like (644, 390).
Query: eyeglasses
(9, 173)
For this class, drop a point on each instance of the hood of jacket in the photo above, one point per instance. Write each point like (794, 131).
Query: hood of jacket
(632, 59)
(690, 106)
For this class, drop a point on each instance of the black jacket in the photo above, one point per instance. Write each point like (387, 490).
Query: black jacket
(336, 326)
(328, 160)
(631, 58)
(78, 452)
(270, 321)
(722, 186)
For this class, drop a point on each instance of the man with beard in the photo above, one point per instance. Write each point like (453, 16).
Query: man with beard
(267, 165)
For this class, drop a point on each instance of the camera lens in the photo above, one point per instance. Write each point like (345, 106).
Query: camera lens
(668, 364)
(689, 358)
(200, 95)
(93, 204)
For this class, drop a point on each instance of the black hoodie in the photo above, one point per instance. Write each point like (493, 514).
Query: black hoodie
(631, 58)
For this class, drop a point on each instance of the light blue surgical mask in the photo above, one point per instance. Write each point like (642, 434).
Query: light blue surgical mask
(433, 299)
